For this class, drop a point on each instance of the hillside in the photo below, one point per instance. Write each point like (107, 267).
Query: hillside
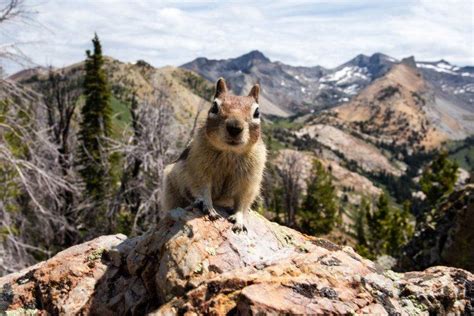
(389, 120)
(181, 90)
(40, 118)
(392, 110)
(400, 104)
(446, 238)
(352, 148)
(380, 140)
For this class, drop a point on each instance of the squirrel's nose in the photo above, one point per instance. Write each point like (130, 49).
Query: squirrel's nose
(234, 128)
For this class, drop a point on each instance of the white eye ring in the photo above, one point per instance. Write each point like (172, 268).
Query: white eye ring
(214, 110)
(255, 107)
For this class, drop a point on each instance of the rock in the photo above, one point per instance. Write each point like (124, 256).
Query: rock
(448, 239)
(61, 285)
(190, 265)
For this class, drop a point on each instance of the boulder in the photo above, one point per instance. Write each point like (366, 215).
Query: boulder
(191, 265)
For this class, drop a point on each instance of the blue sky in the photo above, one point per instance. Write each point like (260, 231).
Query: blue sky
(308, 33)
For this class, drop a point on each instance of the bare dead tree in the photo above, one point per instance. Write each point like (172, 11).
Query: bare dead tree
(201, 107)
(32, 180)
(290, 170)
(145, 154)
(60, 97)
(11, 9)
(14, 11)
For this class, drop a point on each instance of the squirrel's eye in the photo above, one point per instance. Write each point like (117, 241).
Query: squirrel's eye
(215, 108)
(256, 114)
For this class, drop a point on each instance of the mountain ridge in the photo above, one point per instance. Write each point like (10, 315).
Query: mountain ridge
(300, 89)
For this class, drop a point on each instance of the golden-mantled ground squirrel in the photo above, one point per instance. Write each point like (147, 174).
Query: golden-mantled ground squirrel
(223, 166)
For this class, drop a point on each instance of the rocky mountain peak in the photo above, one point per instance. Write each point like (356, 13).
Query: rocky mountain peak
(254, 55)
(409, 61)
(201, 60)
(246, 61)
(360, 60)
(380, 57)
(442, 61)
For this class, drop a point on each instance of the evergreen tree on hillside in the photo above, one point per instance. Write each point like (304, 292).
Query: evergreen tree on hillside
(438, 179)
(383, 229)
(401, 229)
(320, 211)
(95, 125)
(360, 227)
(378, 222)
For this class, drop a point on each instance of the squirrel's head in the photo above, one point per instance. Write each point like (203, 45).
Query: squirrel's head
(233, 122)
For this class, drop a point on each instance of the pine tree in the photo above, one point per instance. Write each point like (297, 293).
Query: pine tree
(388, 228)
(360, 228)
(377, 222)
(320, 211)
(94, 127)
(438, 179)
(400, 229)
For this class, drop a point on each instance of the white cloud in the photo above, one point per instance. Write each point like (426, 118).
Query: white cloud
(295, 32)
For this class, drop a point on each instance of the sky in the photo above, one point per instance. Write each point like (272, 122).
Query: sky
(299, 33)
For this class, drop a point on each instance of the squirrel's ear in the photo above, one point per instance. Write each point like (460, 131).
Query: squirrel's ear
(221, 87)
(254, 92)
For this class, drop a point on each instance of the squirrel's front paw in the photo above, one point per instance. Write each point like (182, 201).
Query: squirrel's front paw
(239, 228)
(210, 211)
(232, 218)
(237, 220)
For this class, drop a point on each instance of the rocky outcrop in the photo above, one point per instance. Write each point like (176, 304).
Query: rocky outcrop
(447, 238)
(190, 265)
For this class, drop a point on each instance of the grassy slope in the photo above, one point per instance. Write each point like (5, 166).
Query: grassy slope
(463, 153)
(121, 118)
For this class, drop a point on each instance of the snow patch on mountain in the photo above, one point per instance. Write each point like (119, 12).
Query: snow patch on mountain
(440, 67)
(346, 75)
(353, 89)
(297, 89)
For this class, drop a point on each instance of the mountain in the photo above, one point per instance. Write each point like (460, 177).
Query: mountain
(453, 83)
(184, 92)
(391, 110)
(384, 134)
(403, 109)
(242, 72)
(289, 90)
(348, 79)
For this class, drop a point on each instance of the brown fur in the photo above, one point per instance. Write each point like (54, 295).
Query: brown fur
(219, 168)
